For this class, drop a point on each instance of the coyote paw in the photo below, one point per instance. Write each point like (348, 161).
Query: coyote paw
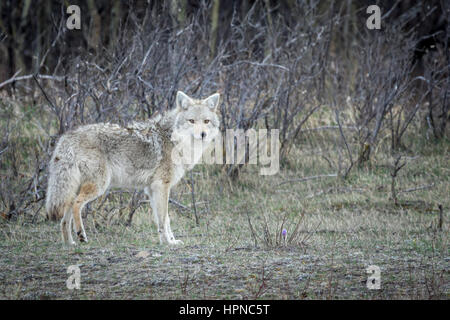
(70, 244)
(169, 239)
(82, 237)
(175, 242)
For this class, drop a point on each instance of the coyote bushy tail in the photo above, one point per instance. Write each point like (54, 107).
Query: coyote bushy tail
(63, 185)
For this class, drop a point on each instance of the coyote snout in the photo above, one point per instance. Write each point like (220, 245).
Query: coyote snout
(91, 159)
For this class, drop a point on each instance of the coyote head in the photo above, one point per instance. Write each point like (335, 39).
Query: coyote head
(196, 118)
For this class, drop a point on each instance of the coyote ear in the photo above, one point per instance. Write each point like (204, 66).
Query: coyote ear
(213, 101)
(183, 101)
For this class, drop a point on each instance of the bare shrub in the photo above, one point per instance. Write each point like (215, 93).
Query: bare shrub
(278, 230)
(274, 71)
(380, 84)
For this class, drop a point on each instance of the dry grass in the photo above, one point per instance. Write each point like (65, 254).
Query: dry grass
(236, 251)
(340, 195)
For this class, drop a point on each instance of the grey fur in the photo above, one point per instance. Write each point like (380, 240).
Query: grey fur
(91, 159)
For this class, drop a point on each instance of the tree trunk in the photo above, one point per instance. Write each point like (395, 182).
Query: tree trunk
(214, 28)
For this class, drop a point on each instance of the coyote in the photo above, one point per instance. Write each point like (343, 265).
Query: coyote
(91, 159)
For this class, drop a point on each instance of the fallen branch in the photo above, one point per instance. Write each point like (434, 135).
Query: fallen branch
(29, 76)
(181, 206)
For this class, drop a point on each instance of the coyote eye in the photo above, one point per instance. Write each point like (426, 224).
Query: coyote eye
(206, 121)
(191, 120)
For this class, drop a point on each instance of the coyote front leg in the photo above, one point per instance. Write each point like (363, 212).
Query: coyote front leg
(160, 203)
(66, 227)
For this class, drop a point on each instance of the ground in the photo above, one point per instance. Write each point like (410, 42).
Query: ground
(335, 229)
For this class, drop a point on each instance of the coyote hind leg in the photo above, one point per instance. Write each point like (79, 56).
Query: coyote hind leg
(88, 192)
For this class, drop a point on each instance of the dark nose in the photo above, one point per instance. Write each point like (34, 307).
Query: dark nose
(203, 134)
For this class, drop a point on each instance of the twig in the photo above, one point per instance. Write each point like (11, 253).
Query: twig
(255, 238)
(181, 206)
(46, 97)
(346, 146)
(4, 150)
(193, 200)
(132, 209)
(263, 64)
(441, 217)
(395, 169)
(329, 128)
(176, 203)
(14, 77)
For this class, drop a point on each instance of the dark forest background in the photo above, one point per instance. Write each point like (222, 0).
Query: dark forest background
(34, 37)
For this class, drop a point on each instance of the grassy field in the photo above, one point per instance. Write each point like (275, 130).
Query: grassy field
(335, 230)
